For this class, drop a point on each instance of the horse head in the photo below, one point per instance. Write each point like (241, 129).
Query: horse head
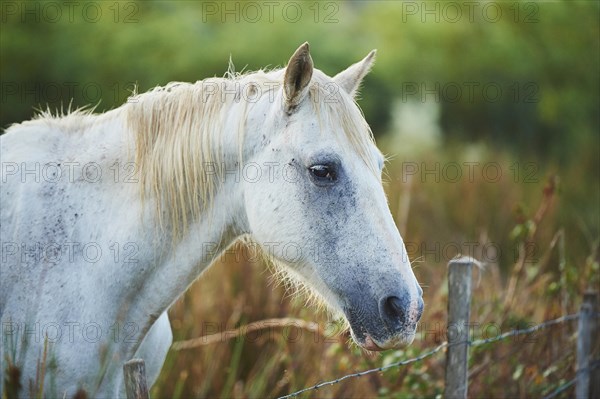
(320, 208)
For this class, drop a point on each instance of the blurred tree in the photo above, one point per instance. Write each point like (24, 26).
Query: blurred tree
(521, 74)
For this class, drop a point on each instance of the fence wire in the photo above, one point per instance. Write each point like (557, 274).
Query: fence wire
(560, 389)
(375, 370)
(443, 345)
(530, 330)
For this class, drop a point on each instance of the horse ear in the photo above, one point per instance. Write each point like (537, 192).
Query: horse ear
(350, 78)
(297, 77)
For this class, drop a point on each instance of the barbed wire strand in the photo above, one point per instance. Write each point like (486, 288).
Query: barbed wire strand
(530, 330)
(560, 389)
(432, 352)
(375, 370)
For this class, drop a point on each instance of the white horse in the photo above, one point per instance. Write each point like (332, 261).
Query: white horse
(107, 219)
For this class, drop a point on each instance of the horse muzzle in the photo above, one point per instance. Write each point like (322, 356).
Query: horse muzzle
(389, 324)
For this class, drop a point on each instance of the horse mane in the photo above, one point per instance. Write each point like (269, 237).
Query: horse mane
(177, 131)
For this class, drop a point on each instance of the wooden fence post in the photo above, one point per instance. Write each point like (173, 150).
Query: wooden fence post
(136, 386)
(459, 306)
(587, 348)
(594, 299)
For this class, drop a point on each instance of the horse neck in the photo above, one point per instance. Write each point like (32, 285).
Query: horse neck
(179, 262)
(203, 242)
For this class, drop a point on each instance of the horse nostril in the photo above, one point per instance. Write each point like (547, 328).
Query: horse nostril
(394, 309)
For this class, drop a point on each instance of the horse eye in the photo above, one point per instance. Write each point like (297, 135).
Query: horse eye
(323, 172)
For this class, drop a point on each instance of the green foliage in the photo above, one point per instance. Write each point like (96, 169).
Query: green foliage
(542, 56)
